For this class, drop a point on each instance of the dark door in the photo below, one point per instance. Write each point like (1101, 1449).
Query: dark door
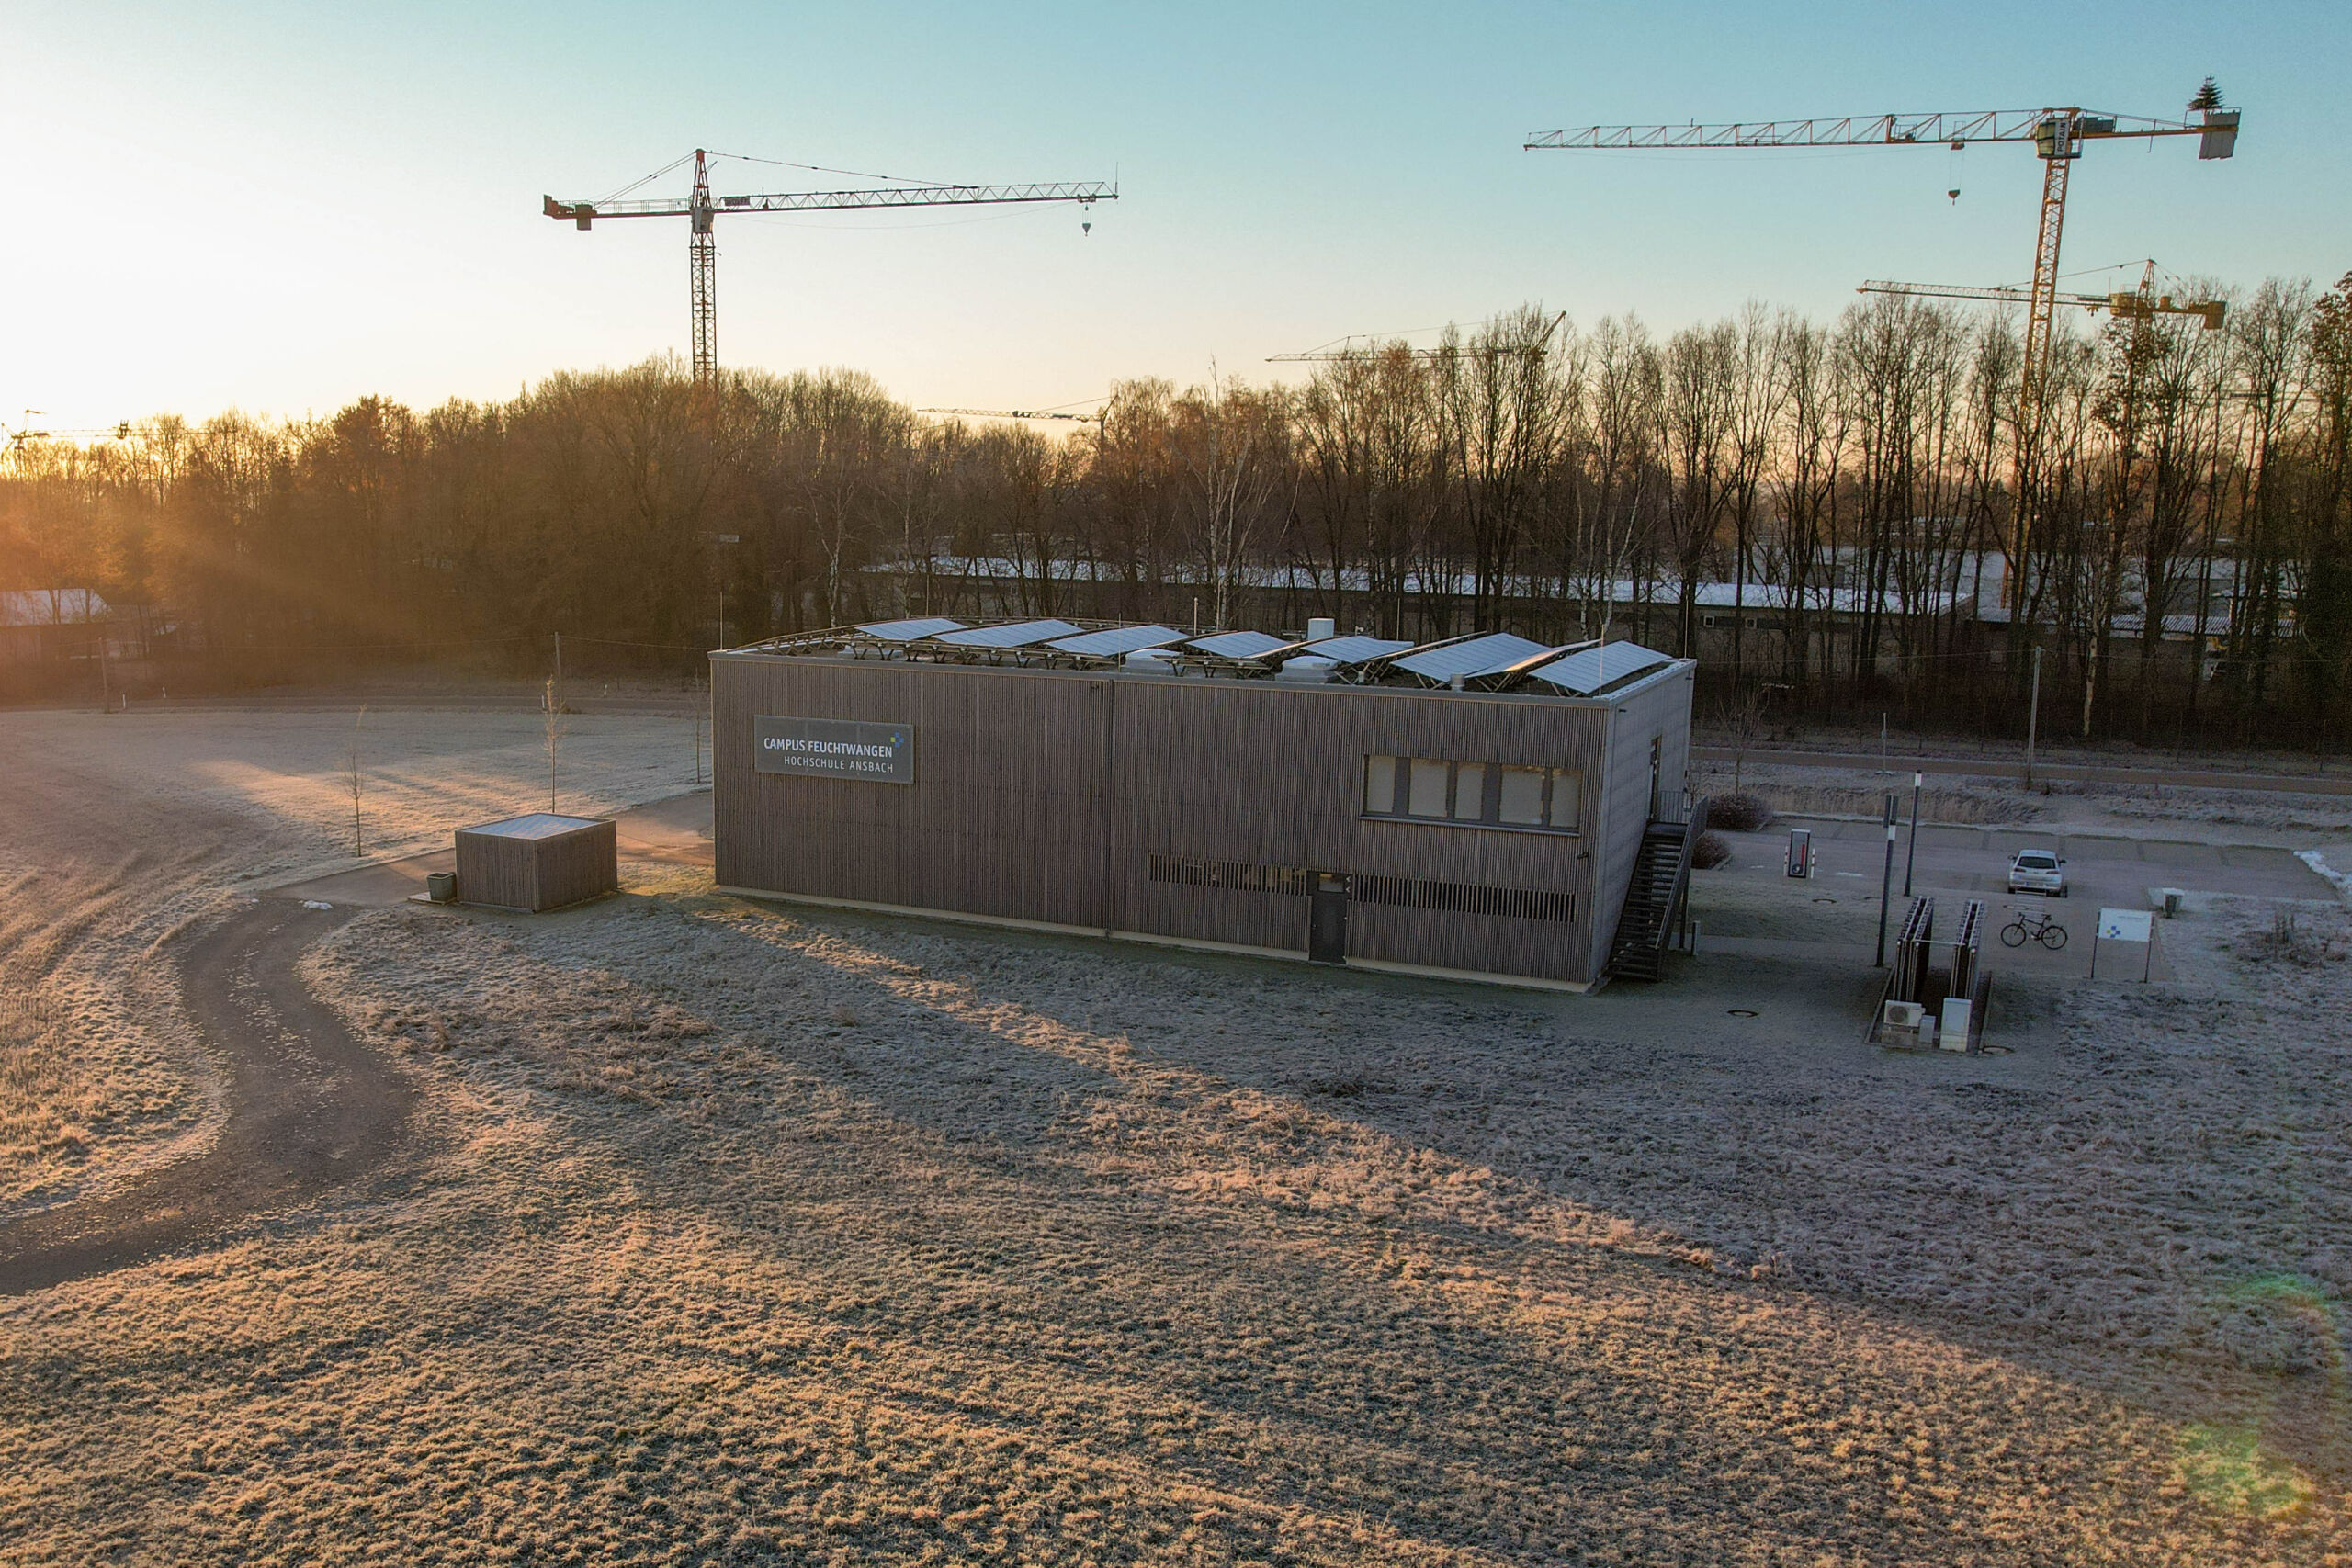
(1327, 920)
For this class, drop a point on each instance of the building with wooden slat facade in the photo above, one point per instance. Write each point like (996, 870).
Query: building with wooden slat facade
(1473, 808)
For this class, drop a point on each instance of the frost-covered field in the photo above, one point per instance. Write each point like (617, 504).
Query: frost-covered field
(737, 1233)
(116, 829)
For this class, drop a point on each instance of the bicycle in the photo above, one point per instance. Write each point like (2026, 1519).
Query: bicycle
(2039, 927)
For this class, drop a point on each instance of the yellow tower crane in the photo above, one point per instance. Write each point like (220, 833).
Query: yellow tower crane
(2142, 304)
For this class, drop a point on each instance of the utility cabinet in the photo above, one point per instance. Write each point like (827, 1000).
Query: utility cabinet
(538, 862)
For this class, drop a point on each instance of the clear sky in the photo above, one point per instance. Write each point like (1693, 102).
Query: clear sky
(282, 207)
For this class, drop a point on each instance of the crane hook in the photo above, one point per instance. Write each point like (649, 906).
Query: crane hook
(1086, 218)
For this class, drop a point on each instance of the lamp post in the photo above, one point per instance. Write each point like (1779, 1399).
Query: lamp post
(1887, 881)
(1911, 855)
(2033, 716)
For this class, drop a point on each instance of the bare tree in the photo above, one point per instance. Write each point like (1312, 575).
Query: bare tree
(1232, 441)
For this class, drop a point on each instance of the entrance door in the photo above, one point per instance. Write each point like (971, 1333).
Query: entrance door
(1657, 744)
(1327, 920)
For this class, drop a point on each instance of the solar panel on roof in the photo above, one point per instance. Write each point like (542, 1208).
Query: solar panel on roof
(1019, 635)
(1586, 672)
(1120, 640)
(1237, 645)
(1356, 650)
(1480, 656)
(906, 631)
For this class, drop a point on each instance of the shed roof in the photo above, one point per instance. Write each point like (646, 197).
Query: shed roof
(50, 607)
(533, 825)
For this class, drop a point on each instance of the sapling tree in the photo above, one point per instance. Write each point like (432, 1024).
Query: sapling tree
(358, 829)
(554, 734)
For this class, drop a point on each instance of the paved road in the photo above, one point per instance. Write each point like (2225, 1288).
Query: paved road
(309, 1109)
(2333, 781)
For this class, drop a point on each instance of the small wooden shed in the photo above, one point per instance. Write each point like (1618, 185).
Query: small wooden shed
(538, 862)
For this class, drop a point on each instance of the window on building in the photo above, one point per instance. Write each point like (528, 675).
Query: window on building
(1473, 793)
(1426, 792)
(1565, 810)
(1522, 796)
(1469, 792)
(1379, 786)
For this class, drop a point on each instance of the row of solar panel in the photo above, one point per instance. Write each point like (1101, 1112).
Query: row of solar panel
(1063, 638)
(1582, 671)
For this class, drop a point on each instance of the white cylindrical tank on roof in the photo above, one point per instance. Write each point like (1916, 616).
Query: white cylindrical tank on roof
(1321, 629)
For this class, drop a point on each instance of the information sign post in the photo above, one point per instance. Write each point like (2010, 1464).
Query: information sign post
(2126, 925)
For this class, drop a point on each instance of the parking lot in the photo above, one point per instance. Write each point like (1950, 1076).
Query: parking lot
(1752, 905)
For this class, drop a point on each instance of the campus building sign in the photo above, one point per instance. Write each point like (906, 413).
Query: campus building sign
(834, 749)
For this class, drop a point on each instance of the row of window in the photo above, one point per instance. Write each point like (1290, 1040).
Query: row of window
(1439, 790)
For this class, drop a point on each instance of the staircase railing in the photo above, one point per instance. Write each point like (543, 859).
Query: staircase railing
(1647, 921)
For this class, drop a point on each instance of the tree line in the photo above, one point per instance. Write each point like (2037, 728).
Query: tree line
(1835, 516)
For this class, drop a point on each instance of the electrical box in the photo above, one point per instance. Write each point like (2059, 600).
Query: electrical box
(1799, 851)
(1959, 1020)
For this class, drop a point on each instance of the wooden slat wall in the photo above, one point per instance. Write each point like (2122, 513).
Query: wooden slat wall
(1005, 817)
(1258, 772)
(1039, 795)
(578, 865)
(493, 869)
(538, 874)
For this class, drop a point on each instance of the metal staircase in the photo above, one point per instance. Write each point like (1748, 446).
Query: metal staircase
(1655, 898)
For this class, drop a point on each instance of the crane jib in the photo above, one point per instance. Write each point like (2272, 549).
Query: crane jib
(701, 212)
(2216, 128)
(582, 212)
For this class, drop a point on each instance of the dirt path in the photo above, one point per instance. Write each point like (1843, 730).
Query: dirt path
(309, 1108)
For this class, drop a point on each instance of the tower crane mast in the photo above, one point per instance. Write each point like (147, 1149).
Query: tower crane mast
(701, 212)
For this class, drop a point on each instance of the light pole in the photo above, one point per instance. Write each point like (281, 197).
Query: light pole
(711, 692)
(1886, 880)
(1911, 855)
(2033, 716)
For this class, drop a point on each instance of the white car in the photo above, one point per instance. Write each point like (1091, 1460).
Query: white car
(2037, 871)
